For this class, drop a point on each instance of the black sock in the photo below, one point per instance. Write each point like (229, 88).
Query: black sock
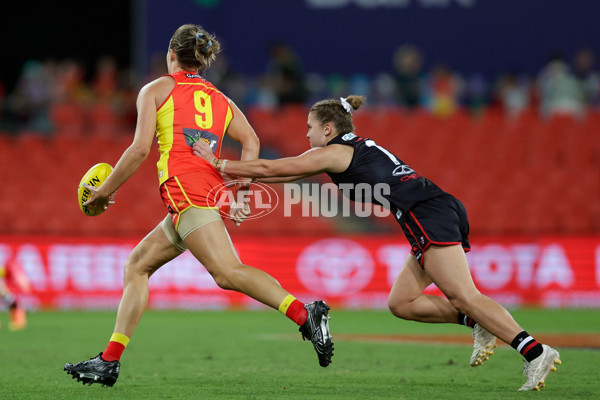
(527, 346)
(466, 320)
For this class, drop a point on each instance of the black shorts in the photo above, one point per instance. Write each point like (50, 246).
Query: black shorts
(441, 221)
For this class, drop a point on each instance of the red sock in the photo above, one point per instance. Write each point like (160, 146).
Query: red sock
(294, 310)
(115, 347)
(113, 351)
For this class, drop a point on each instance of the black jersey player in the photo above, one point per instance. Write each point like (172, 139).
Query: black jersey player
(434, 222)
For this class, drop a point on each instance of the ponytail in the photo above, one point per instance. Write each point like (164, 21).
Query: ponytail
(338, 112)
(194, 47)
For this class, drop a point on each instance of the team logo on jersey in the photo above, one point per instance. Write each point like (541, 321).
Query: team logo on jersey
(193, 135)
(348, 136)
(402, 169)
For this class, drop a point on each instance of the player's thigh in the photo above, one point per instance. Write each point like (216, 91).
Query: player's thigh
(410, 283)
(212, 246)
(448, 268)
(152, 252)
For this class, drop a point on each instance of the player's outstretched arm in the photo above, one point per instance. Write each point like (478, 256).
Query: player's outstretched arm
(335, 158)
(283, 179)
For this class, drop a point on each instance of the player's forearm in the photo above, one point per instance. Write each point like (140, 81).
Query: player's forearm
(250, 148)
(258, 168)
(250, 151)
(129, 162)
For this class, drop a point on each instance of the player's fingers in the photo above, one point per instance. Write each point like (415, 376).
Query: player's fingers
(91, 200)
(202, 149)
(242, 212)
(238, 216)
(90, 187)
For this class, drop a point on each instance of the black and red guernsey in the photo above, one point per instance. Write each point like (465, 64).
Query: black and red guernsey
(374, 165)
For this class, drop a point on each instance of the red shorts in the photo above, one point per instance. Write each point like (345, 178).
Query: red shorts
(198, 190)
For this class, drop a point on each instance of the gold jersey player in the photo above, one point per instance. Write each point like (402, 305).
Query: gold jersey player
(434, 222)
(183, 108)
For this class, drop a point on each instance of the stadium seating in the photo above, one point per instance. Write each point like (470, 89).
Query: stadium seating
(516, 176)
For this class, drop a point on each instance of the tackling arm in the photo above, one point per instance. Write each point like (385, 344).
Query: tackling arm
(334, 158)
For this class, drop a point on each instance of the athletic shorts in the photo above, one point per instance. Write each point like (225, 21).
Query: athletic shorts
(190, 204)
(197, 190)
(440, 221)
(189, 220)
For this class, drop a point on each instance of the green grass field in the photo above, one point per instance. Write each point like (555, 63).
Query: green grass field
(260, 355)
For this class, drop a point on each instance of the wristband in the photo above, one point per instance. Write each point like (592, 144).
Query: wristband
(222, 169)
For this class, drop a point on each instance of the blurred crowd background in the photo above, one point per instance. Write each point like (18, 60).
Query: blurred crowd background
(520, 146)
(102, 96)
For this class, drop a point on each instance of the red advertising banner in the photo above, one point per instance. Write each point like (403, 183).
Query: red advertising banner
(349, 272)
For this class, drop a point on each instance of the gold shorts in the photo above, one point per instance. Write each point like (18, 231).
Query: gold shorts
(189, 220)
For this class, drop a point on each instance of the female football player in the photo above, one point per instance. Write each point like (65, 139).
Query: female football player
(182, 108)
(434, 222)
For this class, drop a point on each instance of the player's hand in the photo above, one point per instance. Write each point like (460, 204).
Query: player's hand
(239, 213)
(202, 149)
(244, 183)
(230, 180)
(97, 200)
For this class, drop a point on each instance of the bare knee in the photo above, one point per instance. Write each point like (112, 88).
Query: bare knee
(228, 278)
(400, 308)
(135, 268)
(223, 281)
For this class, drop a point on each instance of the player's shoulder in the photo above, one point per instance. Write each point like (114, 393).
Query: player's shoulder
(157, 90)
(161, 83)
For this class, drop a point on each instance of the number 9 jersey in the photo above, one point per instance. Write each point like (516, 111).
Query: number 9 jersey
(195, 110)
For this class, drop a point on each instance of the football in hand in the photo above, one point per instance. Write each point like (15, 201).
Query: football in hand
(94, 177)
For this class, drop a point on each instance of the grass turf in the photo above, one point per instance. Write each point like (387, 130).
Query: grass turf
(259, 355)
